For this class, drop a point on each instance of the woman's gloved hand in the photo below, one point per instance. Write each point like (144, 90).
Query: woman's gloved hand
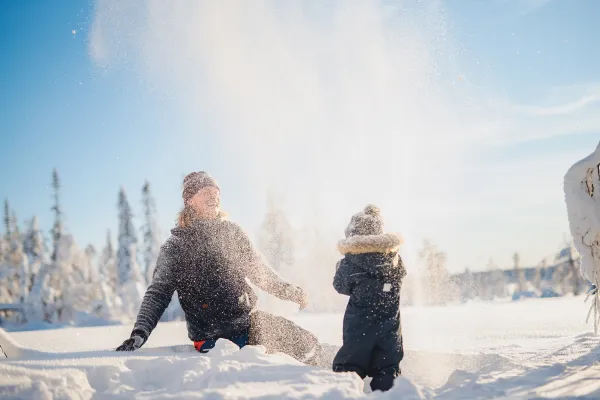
(298, 296)
(133, 343)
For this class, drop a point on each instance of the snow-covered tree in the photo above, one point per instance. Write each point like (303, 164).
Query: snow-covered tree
(537, 277)
(127, 266)
(519, 276)
(24, 279)
(109, 305)
(487, 284)
(275, 239)
(150, 232)
(581, 183)
(7, 222)
(57, 229)
(73, 293)
(13, 272)
(468, 289)
(33, 246)
(437, 279)
(13, 268)
(16, 232)
(130, 279)
(92, 267)
(108, 266)
(497, 280)
(5, 296)
(3, 250)
(33, 242)
(36, 303)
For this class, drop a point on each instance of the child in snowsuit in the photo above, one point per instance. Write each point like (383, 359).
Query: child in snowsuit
(371, 274)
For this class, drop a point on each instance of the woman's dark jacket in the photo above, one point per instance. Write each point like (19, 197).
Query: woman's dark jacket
(208, 263)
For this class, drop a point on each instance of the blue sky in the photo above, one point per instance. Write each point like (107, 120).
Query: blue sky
(107, 114)
(100, 130)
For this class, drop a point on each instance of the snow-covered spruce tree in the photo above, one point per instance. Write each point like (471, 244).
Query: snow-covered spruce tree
(537, 278)
(46, 300)
(469, 291)
(437, 285)
(109, 305)
(33, 241)
(3, 250)
(108, 265)
(129, 277)
(561, 278)
(487, 285)
(92, 274)
(57, 228)
(15, 270)
(519, 276)
(3, 255)
(16, 232)
(76, 292)
(38, 305)
(7, 221)
(497, 280)
(150, 233)
(5, 268)
(33, 246)
(127, 266)
(39, 269)
(56, 284)
(24, 285)
(275, 239)
(67, 290)
(102, 304)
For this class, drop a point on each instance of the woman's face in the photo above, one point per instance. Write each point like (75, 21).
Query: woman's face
(206, 203)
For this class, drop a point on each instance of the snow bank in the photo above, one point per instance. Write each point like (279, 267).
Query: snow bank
(46, 384)
(539, 348)
(226, 372)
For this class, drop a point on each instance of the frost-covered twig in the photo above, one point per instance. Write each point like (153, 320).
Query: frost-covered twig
(595, 306)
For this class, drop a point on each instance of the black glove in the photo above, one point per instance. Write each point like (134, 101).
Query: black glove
(133, 343)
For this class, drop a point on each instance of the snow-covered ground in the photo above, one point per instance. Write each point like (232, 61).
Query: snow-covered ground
(527, 349)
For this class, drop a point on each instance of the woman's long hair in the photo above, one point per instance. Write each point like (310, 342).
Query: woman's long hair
(187, 215)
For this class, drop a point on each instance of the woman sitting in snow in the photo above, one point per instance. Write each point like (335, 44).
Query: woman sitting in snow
(207, 260)
(371, 274)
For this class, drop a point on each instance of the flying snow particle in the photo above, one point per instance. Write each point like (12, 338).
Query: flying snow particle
(74, 32)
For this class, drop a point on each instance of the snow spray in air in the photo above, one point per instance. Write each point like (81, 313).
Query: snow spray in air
(330, 105)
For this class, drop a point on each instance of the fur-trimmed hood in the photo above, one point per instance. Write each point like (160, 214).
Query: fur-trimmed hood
(384, 243)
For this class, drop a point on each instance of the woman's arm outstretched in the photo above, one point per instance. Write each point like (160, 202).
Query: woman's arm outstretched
(157, 297)
(263, 276)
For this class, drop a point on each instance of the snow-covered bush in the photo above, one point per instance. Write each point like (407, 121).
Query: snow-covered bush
(582, 195)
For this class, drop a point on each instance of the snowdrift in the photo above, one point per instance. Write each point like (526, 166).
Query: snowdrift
(536, 348)
(226, 372)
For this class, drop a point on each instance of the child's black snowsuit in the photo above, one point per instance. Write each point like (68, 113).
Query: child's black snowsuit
(372, 331)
